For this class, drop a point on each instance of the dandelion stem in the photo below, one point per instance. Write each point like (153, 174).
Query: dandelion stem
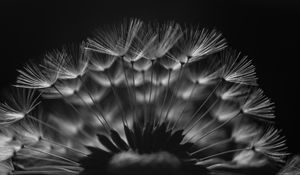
(58, 172)
(203, 115)
(144, 96)
(201, 106)
(74, 108)
(93, 100)
(185, 105)
(59, 167)
(129, 91)
(63, 96)
(212, 145)
(51, 154)
(218, 127)
(166, 94)
(46, 124)
(46, 159)
(64, 146)
(124, 120)
(133, 88)
(155, 94)
(224, 152)
(55, 129)
(151, 84)
(177, 87)
(203, 127)
(95, 112)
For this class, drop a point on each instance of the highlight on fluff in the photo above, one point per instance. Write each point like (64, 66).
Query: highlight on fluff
(141, 98)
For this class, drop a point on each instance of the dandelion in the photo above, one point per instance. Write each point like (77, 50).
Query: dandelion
(37, 76)
(258, 105)
(71, 60)
(142, 99)
(115, 40)
(237, 69)
(20, 103)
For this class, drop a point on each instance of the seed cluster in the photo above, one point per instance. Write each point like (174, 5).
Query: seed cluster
(137, 96)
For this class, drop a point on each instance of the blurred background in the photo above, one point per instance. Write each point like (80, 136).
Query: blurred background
(268, 32)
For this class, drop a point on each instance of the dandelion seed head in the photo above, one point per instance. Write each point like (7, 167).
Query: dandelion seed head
(257, 104)
(140, 98)
(37, 76)
(19, 103)
(271, 143)
(237, 68)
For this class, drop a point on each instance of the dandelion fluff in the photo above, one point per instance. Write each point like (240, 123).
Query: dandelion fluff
(140, 98)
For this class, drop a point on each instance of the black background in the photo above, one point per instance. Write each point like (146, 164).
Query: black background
(267, 31)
